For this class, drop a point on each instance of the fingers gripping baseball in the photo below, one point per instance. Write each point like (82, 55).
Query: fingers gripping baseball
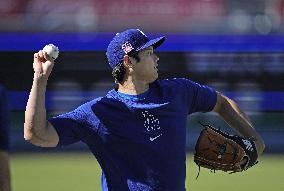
(44, 60)
(42, 63)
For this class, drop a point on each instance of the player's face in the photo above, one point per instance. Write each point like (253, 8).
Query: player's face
(146, 69)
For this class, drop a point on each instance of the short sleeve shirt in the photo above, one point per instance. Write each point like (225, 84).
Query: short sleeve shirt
(139, 141)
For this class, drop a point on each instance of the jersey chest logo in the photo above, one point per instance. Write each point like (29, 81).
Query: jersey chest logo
(152, 125)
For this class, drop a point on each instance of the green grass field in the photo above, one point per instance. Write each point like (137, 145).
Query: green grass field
(80, 172)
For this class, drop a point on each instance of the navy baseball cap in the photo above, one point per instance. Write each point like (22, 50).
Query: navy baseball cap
(128, 42)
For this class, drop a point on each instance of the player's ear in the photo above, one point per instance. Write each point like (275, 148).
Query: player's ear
(127, 62)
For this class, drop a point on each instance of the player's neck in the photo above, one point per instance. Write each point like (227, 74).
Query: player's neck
(133, 87)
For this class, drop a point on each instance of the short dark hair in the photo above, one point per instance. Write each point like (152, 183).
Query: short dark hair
(119, 71)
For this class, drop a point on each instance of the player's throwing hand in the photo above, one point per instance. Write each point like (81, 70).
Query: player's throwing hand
(43, 64)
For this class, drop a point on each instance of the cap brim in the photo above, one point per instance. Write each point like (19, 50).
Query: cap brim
(154, 42)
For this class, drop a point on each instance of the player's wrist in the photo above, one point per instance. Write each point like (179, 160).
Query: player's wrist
(260, 146)
(259, 143)
(40, 78)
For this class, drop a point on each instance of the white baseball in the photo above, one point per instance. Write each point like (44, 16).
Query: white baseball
(51, 50)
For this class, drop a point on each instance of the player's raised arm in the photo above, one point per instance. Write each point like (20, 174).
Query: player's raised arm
(36, 128)
(232, 114)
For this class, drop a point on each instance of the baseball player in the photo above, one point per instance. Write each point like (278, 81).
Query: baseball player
(137, 131)
(4, 142)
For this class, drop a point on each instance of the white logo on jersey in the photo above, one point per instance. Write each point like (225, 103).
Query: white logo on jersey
(248, 145)
(153, 138)
(152, 124)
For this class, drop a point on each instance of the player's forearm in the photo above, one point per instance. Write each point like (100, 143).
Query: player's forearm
(237, 119)
(35, 114)
(4, 172)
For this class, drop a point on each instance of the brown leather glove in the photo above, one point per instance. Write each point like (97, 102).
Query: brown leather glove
(217, 150)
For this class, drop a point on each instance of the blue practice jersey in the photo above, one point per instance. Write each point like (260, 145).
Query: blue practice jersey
(4, 123)
(139, 141)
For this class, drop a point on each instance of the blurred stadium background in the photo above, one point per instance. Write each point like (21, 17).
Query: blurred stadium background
(235, 46)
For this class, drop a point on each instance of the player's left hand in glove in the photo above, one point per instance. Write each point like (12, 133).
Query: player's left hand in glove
(217, 150)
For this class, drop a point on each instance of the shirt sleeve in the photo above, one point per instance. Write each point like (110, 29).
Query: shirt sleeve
(201, 98)
(4, 120)
(68, 127)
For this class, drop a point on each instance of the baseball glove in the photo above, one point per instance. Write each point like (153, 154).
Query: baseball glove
(217, 150)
